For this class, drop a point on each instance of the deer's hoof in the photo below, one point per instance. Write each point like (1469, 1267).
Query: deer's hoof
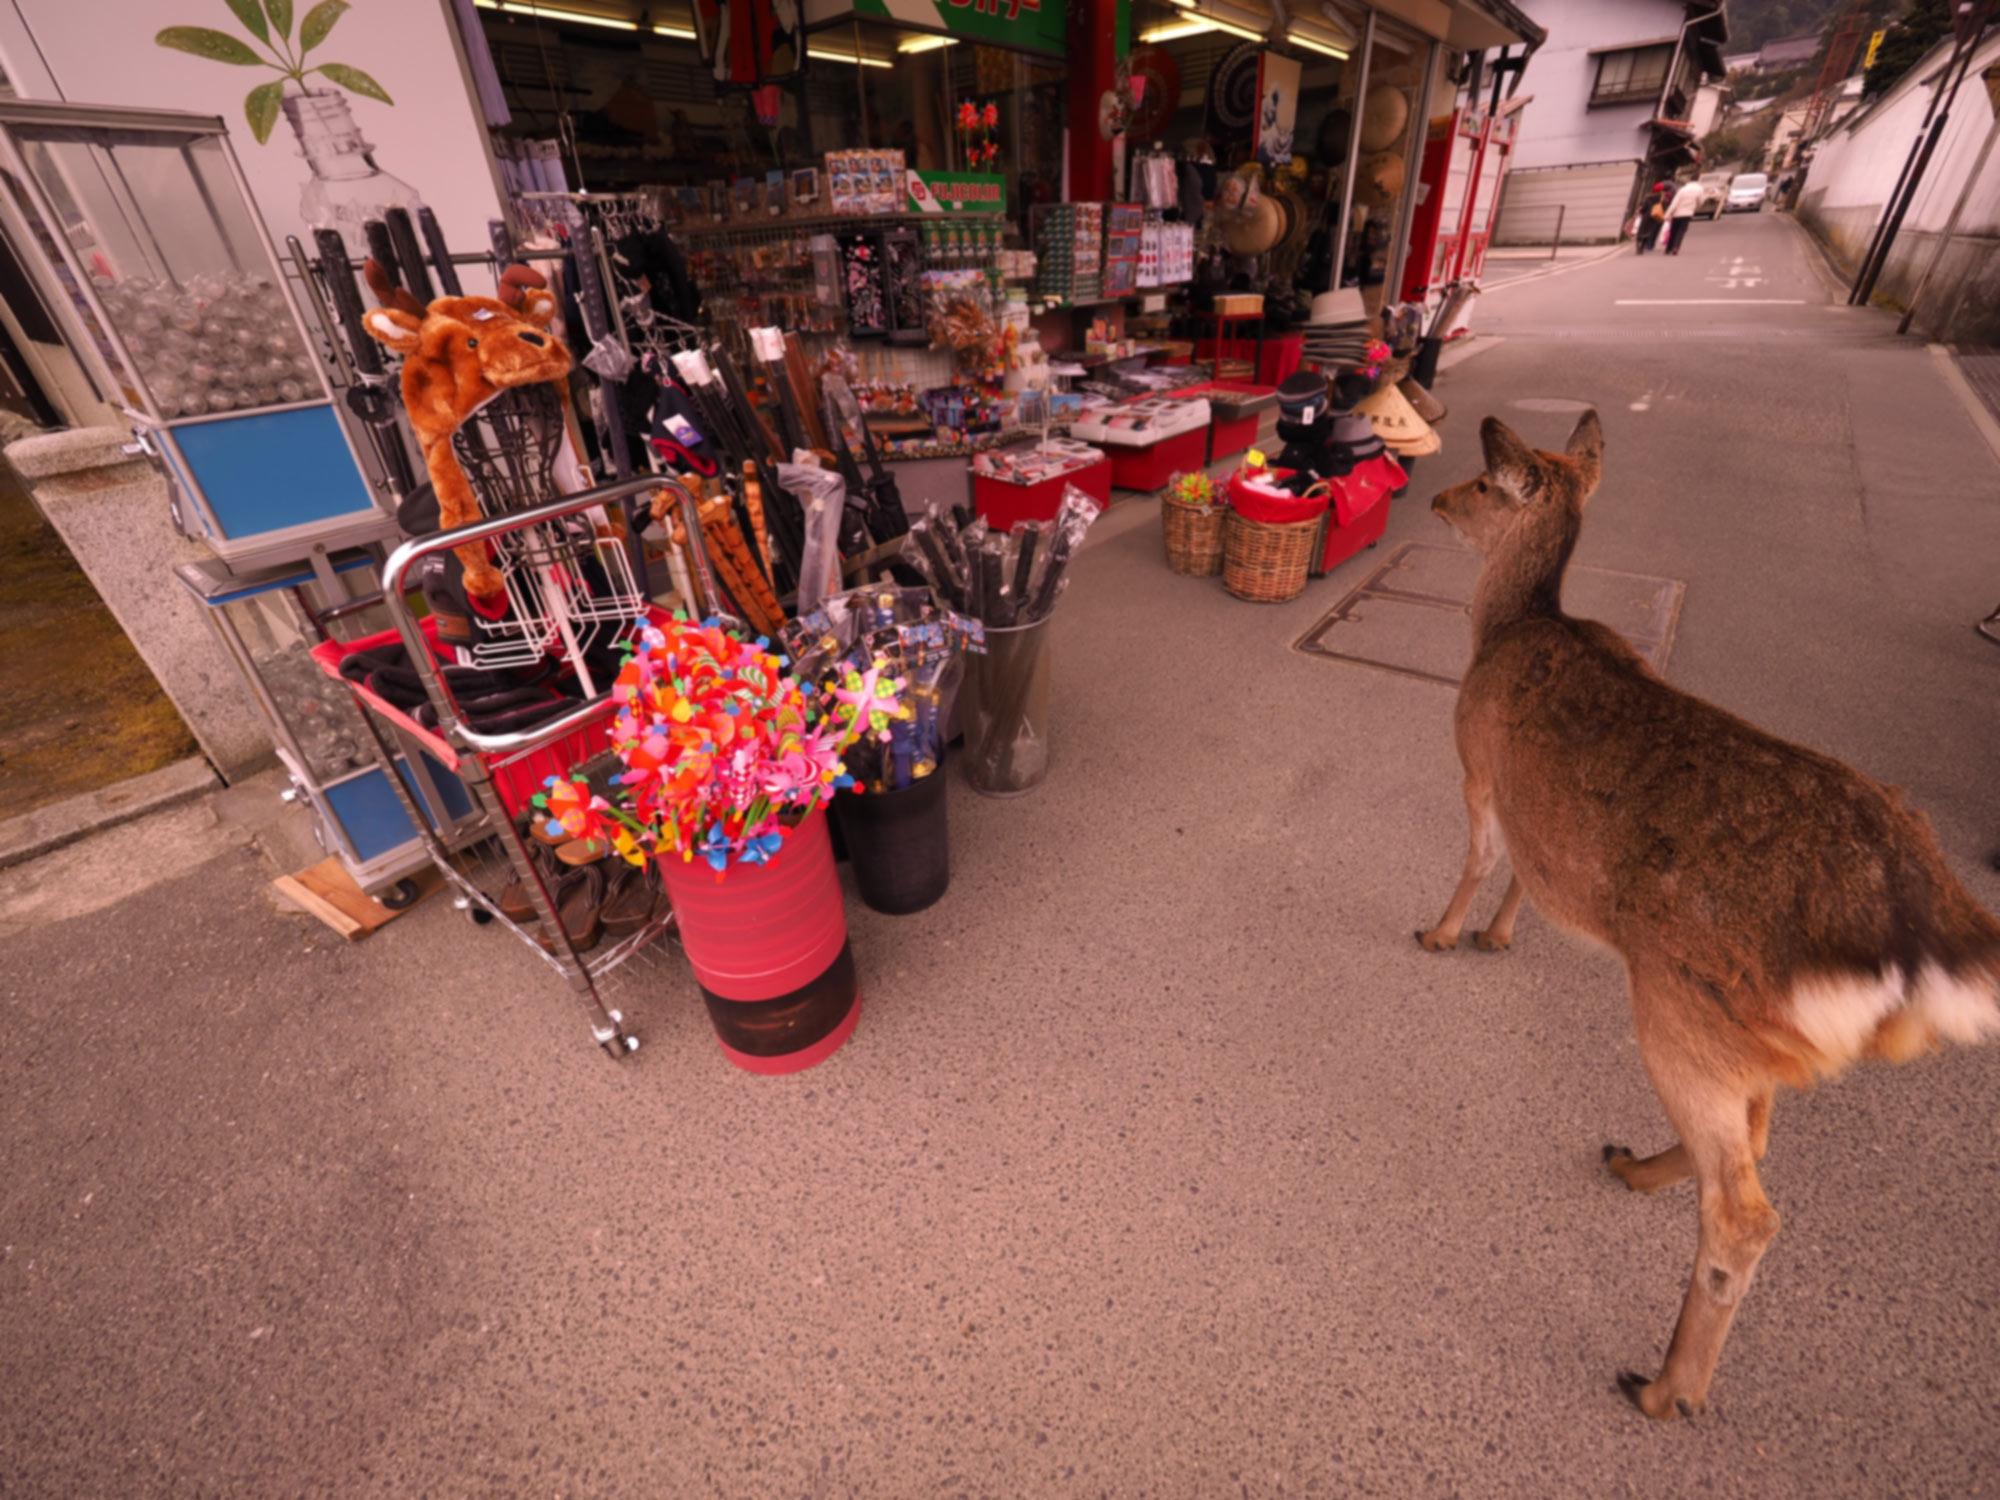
(1486, 942)
(1435, 944)
(1650, 1399)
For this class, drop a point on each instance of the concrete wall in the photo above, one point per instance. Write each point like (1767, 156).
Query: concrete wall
(1560, 129)
(111, 512)
(1853, 175)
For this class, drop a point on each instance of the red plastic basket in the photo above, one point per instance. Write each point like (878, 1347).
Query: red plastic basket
(516, 780)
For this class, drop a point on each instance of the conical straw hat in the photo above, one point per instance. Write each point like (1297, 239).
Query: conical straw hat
(1396, 422)
(1427, 405)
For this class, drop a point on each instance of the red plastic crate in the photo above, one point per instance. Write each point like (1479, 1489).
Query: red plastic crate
(516, 781)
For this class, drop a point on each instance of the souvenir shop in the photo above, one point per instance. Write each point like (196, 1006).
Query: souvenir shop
(673, 528)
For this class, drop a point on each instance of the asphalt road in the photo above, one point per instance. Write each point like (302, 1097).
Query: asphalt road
(1163, 1162)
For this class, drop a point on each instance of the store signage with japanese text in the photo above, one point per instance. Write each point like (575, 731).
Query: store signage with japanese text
(957, 192)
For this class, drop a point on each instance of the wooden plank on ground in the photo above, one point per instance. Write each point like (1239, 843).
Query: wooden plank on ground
(329, 893)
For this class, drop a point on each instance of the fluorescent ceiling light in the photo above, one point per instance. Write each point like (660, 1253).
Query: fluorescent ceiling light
(549, 13)
(680, 32)
(928, 44)
(1234, 30)
(1174, 31)
(1299, 39)
(848, 57)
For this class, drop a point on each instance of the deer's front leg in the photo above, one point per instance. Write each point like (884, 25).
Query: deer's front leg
(1479, 862)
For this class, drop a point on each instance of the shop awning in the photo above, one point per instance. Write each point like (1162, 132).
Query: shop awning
(1479, 24)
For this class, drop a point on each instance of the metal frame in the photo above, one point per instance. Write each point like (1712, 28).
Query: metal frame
(491, 752)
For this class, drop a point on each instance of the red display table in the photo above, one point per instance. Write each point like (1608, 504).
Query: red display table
(1238, 408)
(1150, 468)
(1003, 502)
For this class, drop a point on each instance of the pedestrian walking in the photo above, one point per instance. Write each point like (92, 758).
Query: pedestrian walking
(1653, 216)
(1680, 214)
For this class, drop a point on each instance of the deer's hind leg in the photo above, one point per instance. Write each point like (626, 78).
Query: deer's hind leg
(1648, 1174)
(1721, 1112)
(1480, 859)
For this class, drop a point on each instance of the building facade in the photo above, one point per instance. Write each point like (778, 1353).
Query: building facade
(1612, 104)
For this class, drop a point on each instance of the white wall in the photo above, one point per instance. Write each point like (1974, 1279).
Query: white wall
(432, 137)
(1559, 128)
(1855, 167)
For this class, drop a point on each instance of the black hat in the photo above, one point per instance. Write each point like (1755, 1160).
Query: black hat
(1302, 397)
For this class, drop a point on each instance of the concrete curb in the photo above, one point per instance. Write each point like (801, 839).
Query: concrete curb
(1558, 269)
(36, 833)
(1974, 404)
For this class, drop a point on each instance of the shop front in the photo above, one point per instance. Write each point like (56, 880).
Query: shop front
(564, 332)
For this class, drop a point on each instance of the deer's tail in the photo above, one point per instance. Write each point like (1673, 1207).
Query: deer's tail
(1894, 1014)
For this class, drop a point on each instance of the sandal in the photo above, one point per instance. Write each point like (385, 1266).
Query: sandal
(631, 898)
(579, 898)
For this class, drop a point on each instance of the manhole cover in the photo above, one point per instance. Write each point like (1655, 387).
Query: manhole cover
(1410, 615)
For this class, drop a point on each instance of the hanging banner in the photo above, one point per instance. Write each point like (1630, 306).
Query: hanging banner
(957, 192)
(1024, 25)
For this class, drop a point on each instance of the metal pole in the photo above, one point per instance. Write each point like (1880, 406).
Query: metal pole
(1951, 225)
(1562, 210)
(1353, 163)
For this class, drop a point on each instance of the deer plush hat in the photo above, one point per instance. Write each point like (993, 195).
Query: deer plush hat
(458, 354)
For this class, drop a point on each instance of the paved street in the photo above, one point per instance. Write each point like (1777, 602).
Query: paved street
(1163, 1162)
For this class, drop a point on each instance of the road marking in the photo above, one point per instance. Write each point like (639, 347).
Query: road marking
(1710, 302)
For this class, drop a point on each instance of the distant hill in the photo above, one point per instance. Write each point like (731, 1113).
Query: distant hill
(1755, 22)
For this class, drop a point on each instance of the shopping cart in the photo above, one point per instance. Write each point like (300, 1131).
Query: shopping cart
(574, 597)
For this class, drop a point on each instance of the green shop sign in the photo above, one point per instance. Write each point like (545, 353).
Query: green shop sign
(1024, 25)
(957, 192)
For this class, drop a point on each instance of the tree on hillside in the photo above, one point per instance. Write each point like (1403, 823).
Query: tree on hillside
(1922, 26)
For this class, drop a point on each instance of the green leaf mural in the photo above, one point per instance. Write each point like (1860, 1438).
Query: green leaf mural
(353, 78)
(216, 46)
(270, 22)
(251, 14)
(262, 108)
(318, 22)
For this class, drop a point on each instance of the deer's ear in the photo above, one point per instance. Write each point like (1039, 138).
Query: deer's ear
(1586, 450)
(1509, 462)
(394, 327)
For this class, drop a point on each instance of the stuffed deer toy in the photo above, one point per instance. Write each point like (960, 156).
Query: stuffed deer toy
(458, 354)
(1779, 915)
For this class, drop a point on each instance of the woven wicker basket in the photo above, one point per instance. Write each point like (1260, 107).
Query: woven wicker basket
(1194, 537)
(1266, 563)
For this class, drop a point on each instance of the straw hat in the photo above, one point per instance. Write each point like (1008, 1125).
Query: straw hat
(1384, 113)
(1426, 405)
(1398, 424)
(1257, 230)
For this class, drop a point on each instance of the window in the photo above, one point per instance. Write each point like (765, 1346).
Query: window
(1632, 76)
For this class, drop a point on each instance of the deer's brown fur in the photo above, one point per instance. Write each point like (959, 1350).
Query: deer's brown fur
(1779, 914)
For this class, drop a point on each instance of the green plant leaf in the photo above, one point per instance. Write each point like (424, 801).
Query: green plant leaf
(261, 108)
(280, 12)
(318, 22)
(252, 16)
(216, 46)
(355, 79)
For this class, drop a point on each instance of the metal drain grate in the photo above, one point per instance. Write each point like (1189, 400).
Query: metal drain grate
(1410, 615)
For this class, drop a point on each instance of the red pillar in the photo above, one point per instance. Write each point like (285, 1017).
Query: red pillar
(1093, 63)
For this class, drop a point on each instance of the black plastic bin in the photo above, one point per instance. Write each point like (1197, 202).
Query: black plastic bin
(898, 844)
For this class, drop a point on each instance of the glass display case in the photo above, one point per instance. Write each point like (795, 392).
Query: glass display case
(142, 235)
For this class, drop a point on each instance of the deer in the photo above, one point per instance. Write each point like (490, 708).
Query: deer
(1779, 914)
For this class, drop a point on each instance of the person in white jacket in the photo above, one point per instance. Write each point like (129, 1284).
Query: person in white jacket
(1680, 214)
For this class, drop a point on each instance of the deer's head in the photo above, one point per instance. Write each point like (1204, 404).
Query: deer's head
(1520, 483)
(464, 351)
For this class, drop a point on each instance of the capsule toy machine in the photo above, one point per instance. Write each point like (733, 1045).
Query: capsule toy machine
(144, 239)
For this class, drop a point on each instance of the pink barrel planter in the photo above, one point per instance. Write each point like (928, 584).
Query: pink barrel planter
(768, 944)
